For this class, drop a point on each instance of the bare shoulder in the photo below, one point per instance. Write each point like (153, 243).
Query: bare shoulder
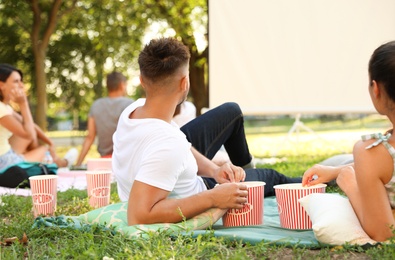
(375, 162)
(361, 148)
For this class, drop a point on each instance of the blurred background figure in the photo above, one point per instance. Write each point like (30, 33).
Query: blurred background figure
(103, 117)
(20, 138)
(185, 112)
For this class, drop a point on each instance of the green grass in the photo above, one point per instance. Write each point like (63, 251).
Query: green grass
(267, 139)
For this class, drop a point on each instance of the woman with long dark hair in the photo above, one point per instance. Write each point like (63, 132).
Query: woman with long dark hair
(19, 137)
(369, 182)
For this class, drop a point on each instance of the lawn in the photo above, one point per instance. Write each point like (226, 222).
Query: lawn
(272, 147)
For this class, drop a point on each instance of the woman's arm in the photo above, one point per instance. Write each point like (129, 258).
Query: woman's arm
(322, 174)
(42, 136)
(366, 191)
(39, 132)
(23, 128)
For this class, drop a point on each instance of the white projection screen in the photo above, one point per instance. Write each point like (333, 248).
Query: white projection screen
(295, 56)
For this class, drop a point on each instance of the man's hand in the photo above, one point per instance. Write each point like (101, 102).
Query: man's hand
(148, 204)
(230, 195)
(229, 173)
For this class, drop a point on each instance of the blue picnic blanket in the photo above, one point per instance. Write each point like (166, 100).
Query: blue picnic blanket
(270, 231)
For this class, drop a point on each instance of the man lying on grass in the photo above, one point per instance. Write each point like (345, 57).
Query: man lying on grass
(162, 170)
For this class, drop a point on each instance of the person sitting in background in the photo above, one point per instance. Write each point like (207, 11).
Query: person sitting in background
(185, 112)
(103, 116)
(369, 182)
(20, 138)
(166, 174)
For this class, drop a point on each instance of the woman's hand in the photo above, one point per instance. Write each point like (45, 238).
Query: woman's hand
(229, 173)
(18, 95)
(319, 174)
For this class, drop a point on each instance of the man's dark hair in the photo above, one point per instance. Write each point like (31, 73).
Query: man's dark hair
(114, 79)
(162, 57)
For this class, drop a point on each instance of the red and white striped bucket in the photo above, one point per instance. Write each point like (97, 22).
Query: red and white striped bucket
(44, 194)
(252, 212)
(292, 214)
(98, 188)
(99, 164)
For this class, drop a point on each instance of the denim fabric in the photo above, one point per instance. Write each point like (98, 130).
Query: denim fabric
(224, 125)
(270, 177)
(10, 158)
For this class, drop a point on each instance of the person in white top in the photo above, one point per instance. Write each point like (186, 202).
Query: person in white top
(20, 138)
(154, 141)
(185, 112)
(156, 166)
(368, 180)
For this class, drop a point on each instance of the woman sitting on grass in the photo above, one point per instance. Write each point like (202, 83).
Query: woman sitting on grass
(369, 182)
(19, 136)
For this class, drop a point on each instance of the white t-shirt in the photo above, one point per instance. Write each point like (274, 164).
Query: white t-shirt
(5, 134)
(154, 152)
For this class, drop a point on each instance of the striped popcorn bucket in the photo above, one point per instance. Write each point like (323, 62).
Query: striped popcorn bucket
(44, 194)
(98, 188)
(252, 212)
(292, 214)
(95, 164)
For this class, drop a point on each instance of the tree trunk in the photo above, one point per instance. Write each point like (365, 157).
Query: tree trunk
(99, 86)
(40, 36)
(198, 86)
(41, 79)
(197, 72)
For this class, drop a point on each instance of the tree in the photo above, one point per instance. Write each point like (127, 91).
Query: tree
(45, 19)
(101, 36)
(40, 24)
(67, 56)
(186, 17)
(70, 53)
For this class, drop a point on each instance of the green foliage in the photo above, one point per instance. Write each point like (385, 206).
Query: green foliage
(15, 40)
(92, 39)
(101, 36)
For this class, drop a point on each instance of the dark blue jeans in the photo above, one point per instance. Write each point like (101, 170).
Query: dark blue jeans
(224, 125)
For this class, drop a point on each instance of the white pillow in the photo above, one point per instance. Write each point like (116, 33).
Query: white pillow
(334, 220)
